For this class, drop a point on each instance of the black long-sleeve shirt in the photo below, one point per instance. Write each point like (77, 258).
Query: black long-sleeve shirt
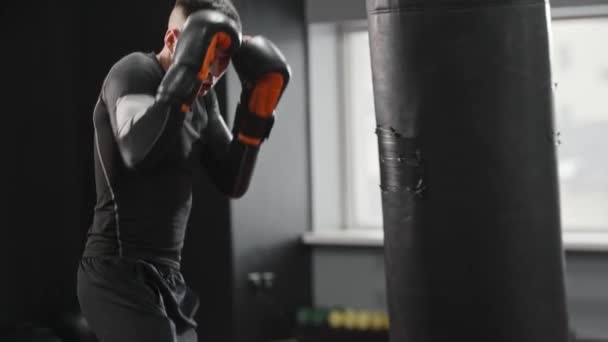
(145, 150)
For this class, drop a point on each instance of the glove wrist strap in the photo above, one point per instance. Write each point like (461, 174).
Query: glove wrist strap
(251, 125)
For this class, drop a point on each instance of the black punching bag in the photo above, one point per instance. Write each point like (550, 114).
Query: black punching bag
(464, 107)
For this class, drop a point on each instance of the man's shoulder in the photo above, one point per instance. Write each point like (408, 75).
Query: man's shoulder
(138, 59)
(136, 63)
(136, 72)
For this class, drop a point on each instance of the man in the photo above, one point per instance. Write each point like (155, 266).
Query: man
(156, 117)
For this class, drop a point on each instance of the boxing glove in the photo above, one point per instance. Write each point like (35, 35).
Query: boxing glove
(264, 74)
(204, 33)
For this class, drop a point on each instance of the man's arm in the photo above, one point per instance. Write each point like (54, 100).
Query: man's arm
(230, 157)
(229, 162)
(143, 127)
(146, 125)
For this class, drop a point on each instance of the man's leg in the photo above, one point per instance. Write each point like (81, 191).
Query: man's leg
(117, 323)
(119, 308)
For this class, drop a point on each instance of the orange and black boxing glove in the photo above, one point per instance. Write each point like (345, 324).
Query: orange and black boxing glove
(204, 33)
(264, 75)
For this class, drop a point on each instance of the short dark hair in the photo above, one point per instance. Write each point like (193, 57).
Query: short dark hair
(224, 6)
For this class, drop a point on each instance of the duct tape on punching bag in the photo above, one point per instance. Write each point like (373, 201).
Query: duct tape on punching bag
(464, 108)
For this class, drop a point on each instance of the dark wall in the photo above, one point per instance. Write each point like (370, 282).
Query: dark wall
(335, 10)
(587, 285)
(41, 232)
(269, 220)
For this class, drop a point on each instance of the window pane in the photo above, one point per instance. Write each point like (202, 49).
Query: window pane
(581, 71)
(366, 208)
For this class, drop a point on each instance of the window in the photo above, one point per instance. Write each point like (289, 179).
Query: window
(580, 63)
(362, 160)
(580, 67)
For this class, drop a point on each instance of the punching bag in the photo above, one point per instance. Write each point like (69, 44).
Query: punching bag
(464, 108)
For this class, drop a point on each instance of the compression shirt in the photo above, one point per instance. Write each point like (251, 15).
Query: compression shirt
(145, 153)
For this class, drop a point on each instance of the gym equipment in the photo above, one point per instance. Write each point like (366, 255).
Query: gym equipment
(464, 108)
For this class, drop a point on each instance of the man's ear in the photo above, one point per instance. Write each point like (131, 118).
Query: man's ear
(171, 39)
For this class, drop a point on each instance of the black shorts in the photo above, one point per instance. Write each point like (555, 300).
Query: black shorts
(136, 301)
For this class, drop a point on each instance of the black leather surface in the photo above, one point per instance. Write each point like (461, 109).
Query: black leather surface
(464, 105)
